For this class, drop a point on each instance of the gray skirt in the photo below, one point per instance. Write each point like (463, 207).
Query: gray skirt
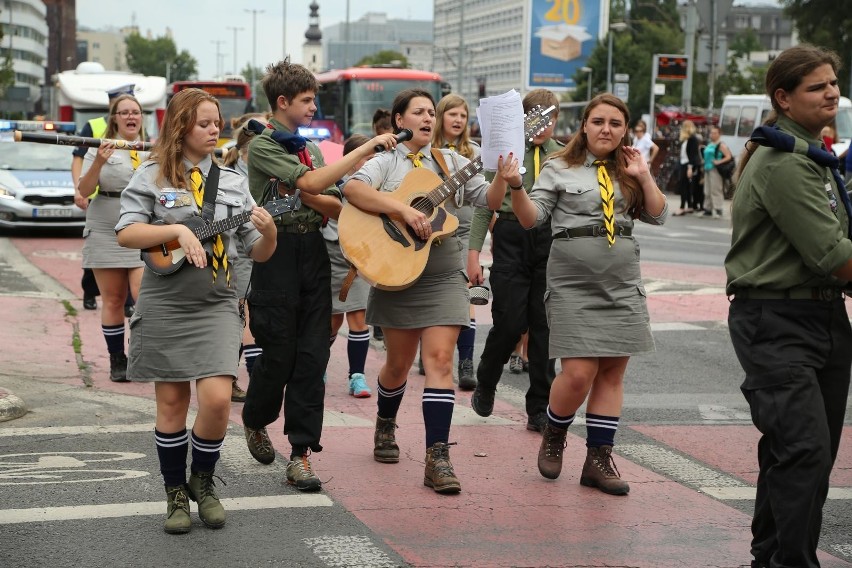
(595, 299)
(100, 245)
(356, 299)
(242, 269)
(185, 327)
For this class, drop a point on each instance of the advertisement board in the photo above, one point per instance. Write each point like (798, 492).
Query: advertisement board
(561, 36)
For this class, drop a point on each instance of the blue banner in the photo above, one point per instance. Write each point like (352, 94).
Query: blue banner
(562, 35)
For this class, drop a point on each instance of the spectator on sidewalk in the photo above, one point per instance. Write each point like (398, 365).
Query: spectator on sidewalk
(592, 192)
(186, 327)
(788, 267)
(716, 153)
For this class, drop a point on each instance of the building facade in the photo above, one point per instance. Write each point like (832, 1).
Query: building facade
(25, 38)
(106, 47)
(344, 44)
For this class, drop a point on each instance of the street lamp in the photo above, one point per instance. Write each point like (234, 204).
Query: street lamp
(236, 29)
(254, 14)
(613, 27)
(588, 82)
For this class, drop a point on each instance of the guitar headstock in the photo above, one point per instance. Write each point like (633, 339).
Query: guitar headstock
(536, 121)
(284, 204)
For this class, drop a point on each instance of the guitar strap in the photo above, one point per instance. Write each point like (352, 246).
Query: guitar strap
(439, 158)
(211, 188)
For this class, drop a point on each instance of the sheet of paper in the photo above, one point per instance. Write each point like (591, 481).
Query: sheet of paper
(501, 122)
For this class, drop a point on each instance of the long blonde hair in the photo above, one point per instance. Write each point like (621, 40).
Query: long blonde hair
(574, 153)
(242, 136)
(687, 129)
(463, 145)
(180, 118)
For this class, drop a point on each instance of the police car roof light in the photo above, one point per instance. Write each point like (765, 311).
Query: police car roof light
(38, 126)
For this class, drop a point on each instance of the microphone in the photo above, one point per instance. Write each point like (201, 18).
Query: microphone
(402, 136)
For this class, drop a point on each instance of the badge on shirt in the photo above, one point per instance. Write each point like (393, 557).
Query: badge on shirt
(832, 198)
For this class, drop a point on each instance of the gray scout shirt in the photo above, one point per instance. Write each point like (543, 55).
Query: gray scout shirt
(143, 201)
(116, 172)
(570, 195)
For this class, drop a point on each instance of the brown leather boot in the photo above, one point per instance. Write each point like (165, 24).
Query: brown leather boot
(600, 471)
(550, 452)
(385, 449)
(439, 474)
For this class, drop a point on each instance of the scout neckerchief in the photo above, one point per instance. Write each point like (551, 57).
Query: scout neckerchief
(607, 200)
(415, 159)
(220, 257)
(134, 159)
(537, 161)
(771, 136)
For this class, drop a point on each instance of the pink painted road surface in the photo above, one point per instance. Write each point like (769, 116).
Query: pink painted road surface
(507, 514)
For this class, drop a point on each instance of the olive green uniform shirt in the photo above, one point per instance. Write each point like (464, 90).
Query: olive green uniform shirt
(268, 159)
(482, 217)
(789, 223)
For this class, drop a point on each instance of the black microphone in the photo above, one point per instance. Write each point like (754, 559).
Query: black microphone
(402, 136)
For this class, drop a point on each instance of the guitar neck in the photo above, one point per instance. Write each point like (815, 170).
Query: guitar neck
(457, 180)
(222, 225)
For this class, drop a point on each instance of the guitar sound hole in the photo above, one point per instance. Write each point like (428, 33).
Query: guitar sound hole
(423, 204)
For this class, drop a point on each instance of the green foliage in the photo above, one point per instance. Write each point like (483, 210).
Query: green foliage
(826, 23)
(744, 43)
(256, 89)
(385, 57)
(159, 57)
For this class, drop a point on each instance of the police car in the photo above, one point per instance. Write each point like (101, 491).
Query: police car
(36, 189)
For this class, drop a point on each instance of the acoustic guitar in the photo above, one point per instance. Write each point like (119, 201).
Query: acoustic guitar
(169, 257)
(385, 250)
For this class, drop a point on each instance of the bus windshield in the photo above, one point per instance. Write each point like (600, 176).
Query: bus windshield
(234, 99)
(366, 96)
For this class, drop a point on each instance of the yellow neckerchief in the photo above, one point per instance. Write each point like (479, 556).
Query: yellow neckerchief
(415, 159)
(220, 257)
(607, 200)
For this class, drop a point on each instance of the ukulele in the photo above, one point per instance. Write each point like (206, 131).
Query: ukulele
(386, 252)
(169, 257)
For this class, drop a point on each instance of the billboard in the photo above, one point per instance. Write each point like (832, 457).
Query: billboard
(561, 36)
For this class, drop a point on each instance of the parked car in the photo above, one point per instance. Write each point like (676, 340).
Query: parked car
(35, 183)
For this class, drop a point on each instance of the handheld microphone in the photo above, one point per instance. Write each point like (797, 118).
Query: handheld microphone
(402, 136)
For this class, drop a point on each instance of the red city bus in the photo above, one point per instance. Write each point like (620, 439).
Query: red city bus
(234, 98)
(347, 98)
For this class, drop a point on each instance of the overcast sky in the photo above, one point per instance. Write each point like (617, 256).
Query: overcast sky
(197, 24)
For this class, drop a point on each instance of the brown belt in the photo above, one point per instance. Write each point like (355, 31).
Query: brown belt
(592, 231)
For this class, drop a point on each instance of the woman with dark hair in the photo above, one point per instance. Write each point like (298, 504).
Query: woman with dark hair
(186, 326)
(436, 307)
(789, 263)
(118, 271)
(382, 121)
(593, 190)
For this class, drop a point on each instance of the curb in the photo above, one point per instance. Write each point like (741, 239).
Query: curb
(11, 406)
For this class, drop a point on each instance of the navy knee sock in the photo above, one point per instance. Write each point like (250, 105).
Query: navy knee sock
(114, 336)
(357, 346)
(205, 454)
(466, 340)
(251, 352)
(438, 414)
(172, 449)
(600, 430)
(558, 421)
(389, 400)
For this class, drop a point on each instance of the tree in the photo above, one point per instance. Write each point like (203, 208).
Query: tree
(159, 57)
(385, 57)
(827, 24)
(256, 89)
(7, 72)
(745, 42)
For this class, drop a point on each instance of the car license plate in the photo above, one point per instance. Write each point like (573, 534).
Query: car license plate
(51, 212)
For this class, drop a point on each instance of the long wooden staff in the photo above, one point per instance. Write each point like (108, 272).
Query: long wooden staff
(66, 140)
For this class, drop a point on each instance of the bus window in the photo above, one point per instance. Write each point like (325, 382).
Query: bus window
(748, 118)
(728, 121)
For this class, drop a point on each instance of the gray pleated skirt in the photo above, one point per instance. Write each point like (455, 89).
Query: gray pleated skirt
(242, 269)
(185, 328)
(100, 245)
(356, 299)
(595, 299)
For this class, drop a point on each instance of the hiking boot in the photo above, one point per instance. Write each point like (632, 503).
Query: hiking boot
(118, 367)
(516, 365)
(259, 445)
(439, 474)
(90, 303)
(177, 510)
(537, 422)
(358, 386)
(385, 449)
(237, 394)
(202, 490)
(378, 334)
(129, 311)
(301, 474)
(550, 452)
(467, 381)
(600, 471)
(482, 400)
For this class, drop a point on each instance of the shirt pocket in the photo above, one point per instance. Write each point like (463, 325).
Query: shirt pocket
(581, 199)
(174, 204)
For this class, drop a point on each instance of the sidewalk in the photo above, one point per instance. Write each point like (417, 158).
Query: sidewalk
(507, 514)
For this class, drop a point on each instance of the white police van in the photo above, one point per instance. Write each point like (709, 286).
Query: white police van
(36, 189)
(741, 114)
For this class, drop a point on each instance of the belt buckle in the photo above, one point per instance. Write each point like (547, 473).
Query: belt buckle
(302, 227)
(598, 231)
(825, 294)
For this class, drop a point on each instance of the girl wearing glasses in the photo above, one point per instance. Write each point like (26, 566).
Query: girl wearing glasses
(106, 173)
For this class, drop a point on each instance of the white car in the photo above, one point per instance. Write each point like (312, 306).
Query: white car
(36, 189)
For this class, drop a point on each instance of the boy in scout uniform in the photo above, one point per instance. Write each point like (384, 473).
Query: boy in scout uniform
(290, 297)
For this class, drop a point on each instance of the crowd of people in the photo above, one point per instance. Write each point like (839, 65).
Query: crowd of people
(565, 274)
